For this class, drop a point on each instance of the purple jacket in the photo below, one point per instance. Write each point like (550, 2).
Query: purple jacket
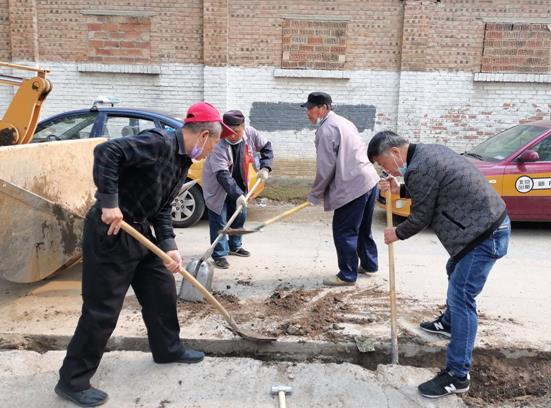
(343, 171)
(221, 159)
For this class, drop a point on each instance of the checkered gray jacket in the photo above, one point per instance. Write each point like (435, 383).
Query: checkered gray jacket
(450, 195)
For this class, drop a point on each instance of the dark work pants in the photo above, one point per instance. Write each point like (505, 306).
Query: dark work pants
(110, 265)
(353, 238)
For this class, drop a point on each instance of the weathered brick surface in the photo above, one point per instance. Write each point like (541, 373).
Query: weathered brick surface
(5, 40)
(23, 29)
(373, 32)
(313, 44)
(119, 39)
(406, 65)
(176, 28)
(517, 47)
(449, 35)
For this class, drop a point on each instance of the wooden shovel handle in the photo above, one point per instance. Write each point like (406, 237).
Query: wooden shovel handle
(187, 276)
(392, 284)
(284, 215)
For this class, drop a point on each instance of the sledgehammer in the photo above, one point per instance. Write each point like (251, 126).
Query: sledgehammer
(281, 390)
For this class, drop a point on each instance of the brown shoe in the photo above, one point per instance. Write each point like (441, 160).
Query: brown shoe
(336, 281)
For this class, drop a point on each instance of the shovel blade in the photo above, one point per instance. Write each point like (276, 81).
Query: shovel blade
(237, 231)
(257, 338)
(203, 272)
(247, 334)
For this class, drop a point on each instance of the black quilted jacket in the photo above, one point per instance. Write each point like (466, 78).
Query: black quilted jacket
(452, 196)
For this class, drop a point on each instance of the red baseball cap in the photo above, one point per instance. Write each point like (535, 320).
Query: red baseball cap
(205, 112)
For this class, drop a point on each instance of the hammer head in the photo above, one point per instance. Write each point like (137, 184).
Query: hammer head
(287, 389)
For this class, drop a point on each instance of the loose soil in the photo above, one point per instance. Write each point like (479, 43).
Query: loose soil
(316, 314)
(322, 314)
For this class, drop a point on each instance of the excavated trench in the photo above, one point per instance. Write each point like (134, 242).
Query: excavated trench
(512, 378)
(310, 324)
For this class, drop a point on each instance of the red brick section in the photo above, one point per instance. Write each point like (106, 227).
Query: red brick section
(313, 44)
(380, 34)
(373, 32)
(449, 35)
(215, 32)
(23, 30)
(118, 39)
(517, 47)
(5, 42)
(176, 28)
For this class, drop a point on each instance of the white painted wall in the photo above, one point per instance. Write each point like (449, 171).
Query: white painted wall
(442, 107)
(453, 109)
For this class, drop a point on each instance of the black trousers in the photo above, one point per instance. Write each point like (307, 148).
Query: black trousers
(110, 265)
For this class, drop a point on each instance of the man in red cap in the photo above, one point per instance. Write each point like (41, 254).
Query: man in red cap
(137, 178)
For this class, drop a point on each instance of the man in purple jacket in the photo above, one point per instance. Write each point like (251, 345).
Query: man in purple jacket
(346, 181)
(226, 182)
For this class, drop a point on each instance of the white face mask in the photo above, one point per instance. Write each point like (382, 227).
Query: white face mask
(234, 143)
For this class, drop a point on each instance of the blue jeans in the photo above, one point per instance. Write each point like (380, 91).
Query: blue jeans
(466, 280)
(353, 238)
(218, 221)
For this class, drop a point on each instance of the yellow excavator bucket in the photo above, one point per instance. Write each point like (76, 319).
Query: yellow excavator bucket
(45, 191)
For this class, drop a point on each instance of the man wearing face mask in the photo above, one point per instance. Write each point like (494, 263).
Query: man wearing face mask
(469, 218)
(347, 183)
(137, 178)
(225, 182)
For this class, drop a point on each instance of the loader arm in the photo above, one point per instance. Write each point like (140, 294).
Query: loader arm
(20, 119)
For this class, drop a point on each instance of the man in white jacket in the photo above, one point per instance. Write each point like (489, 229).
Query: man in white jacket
(346, 181)
(226, 179)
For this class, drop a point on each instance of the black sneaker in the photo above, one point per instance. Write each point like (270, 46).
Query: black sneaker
(221, 263)
(437, 327)
(444, 384)
(92, 397)
(188, 356)
(241, 252)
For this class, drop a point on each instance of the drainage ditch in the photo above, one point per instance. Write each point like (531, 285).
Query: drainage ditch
(512, 378)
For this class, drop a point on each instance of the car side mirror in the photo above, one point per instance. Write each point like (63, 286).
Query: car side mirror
(528, 156)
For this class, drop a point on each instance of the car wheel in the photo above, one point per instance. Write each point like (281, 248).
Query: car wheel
(188, 208)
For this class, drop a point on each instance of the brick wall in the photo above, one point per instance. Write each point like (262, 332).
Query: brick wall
(5, 40)
(373, 30)
(176, 34)
(119, 40)
(452, 109)
(517, 47)
(412, 65)
(313, 44)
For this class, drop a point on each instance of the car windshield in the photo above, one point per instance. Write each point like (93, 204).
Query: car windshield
(68, 127)
(505, 143)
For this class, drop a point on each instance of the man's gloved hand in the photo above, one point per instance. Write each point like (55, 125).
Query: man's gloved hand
(264, 174)
(241, 200)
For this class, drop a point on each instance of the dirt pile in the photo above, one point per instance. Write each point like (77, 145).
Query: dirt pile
(317, 314)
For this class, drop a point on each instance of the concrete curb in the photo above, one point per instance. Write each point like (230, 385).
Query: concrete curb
(411, 353)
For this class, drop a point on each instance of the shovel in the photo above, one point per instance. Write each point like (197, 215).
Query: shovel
(392, 283)
(202, 269)
(288, 213)
(188, 277)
